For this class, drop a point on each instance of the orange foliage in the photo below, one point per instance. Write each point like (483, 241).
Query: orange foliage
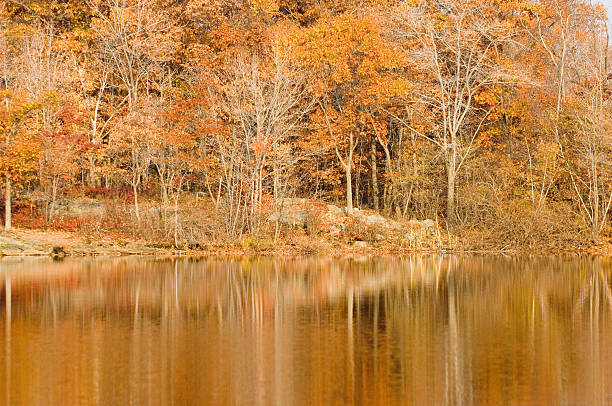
(249, 102)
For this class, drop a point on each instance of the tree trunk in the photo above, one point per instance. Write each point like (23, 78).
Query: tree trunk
(176, 221)
(136, 208)
(450, 196)
(92, 170)
(53, 199)
(348, 166)
(7, 205)
(357, 183)
(375, 192)
(349, 188)
(390, 184)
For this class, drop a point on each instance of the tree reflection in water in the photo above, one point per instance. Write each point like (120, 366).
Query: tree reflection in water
(420, 330)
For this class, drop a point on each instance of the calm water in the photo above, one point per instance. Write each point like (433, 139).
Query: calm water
(411, 331)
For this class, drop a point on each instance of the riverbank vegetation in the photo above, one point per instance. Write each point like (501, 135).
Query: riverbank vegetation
(188, 123)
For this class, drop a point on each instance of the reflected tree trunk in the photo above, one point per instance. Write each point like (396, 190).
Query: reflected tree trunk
(7, 337)
(8, 218)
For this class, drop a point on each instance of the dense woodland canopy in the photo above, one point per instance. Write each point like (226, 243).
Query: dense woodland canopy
(492, 116)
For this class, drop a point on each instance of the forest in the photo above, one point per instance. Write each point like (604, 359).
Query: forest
(190, 120)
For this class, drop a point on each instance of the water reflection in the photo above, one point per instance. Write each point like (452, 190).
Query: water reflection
(405, 331)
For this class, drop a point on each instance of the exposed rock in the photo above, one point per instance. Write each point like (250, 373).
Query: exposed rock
(422, 224)
(10, 245)
(291, 216)
(429, 223)
(79, 207)
(18, 243)
(335, 209)
(376, 220)
(136, 248)
(412, 236)
(333, 220)
(360, 244)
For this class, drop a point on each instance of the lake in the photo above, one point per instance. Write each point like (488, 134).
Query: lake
(417, 330)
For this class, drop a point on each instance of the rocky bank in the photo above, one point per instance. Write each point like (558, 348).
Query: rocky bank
(59, 244)
(362, 227)
(324, 228)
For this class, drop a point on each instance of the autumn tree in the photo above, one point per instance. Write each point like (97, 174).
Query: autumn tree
(588, 149)
(263, 97)
(136, 38)
(130, 151)
(19, 149)
(350, 58)
(456, 51)
(92, 91)
(32, 72)
(62, 141)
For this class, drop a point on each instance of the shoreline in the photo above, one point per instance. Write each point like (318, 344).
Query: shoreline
(59, 244)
